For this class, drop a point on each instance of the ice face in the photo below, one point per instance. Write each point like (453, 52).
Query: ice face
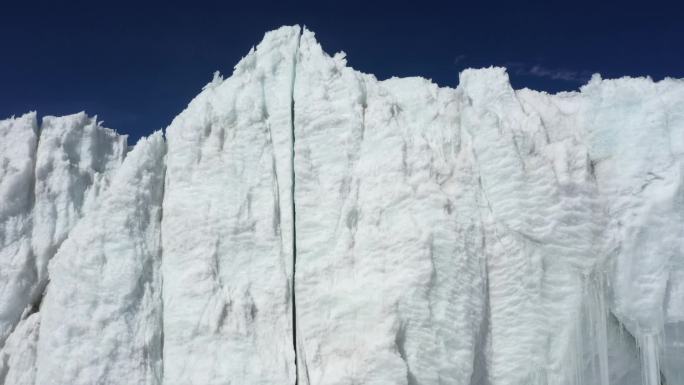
(305, 223)
(227, 227)
(18, 140)
(75, 160)
(107, 274)
(383, 216)
(52, 174)
(18, 356)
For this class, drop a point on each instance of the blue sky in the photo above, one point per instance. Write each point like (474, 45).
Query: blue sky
(137, 65)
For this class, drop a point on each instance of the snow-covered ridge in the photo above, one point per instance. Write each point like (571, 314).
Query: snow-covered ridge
(304, 223)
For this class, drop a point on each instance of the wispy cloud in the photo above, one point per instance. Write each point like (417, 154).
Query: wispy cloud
(541, 71)
(559, 74)
(459, 59)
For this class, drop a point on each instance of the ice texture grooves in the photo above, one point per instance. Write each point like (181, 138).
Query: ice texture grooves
(386, 216)
(305, 223)
(107, 274)
(228, 226)
(72, 160)
(18, 142)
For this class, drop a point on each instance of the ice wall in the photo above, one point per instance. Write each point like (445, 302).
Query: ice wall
(18, 356)
(305, 223)
(387, 214)
(52, 174)
(227, 227)
(107, 276)
(633, 130)
(18, 140)
(75, 160)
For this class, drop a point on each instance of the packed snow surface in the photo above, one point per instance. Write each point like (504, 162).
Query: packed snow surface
(305, 223)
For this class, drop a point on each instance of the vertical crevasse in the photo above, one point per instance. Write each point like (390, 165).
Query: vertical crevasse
(294, 213)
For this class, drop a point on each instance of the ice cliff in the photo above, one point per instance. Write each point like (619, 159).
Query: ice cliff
(304, 223)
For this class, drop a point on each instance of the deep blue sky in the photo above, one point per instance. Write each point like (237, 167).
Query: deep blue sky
(138, 65)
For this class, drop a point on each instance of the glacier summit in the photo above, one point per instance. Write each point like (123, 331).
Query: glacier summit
(304, 223)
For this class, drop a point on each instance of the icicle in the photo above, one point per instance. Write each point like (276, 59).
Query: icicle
(673, 350)
(579, 347)
(591, 337)
(601, 330)
(650, 365)
(577, 361)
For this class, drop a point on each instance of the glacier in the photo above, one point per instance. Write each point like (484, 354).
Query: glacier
(301, 222)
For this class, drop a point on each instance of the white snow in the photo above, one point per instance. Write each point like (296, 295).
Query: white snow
(107, 274)
(18, 356)
(227, 227)
(307, 223)
(384, 218)
(67, 161)
(18, 140)
(75, 159)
